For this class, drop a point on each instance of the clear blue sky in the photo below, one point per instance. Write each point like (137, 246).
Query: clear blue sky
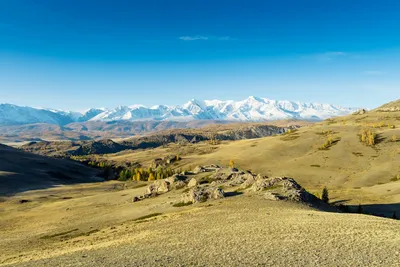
(77, 54)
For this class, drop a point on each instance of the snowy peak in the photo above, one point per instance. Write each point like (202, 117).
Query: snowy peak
(250, 109)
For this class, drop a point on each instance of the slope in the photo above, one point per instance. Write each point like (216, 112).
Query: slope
(22, 171)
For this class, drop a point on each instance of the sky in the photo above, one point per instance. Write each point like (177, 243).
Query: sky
(77, 54)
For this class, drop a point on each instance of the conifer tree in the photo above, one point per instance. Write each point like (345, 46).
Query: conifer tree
(325, 195)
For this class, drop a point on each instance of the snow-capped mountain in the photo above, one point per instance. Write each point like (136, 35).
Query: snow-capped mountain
(250, 109)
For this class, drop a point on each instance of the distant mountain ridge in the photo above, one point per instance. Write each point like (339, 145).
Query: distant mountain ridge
(250, 109)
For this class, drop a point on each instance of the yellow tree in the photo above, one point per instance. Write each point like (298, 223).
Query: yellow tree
(394, 138)
(151, 177)
(232, 164)
(138, 176)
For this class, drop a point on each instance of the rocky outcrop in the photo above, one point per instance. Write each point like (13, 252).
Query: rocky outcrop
(163, 186)
(159, 187)
(204, 188)
(282, 188)
(192, 183)
(202, 194)
(360, 112)
(168, 160)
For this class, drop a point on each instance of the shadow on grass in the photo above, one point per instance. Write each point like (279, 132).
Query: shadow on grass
(379, 139)
(380, 210)
(233, 194)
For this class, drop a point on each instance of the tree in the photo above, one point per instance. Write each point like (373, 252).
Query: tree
(151, 177)
(138, 176)
(394, 138)
(325, 195)
(231, 164)
(394, 216)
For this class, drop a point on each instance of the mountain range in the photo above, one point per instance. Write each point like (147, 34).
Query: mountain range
(250, 109)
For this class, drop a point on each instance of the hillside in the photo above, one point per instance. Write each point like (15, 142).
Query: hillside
(79, 131)
(153, 140)
(21, 171)
(95, 130)
(98, 225)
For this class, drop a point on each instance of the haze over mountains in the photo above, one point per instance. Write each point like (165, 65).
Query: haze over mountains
(250, 109)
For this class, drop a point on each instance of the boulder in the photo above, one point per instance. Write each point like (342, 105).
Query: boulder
(272, 196)
(249, 182)
(192, 183)
(360, 112)
(260, 184)
(179, 185)
(239, 178)
(198, 170)
(202, 194)
(159, 187)
(175, 178)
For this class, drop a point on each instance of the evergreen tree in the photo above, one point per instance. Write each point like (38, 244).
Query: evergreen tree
(325, 195)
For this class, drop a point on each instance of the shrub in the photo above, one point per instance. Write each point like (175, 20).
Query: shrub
(325, 195)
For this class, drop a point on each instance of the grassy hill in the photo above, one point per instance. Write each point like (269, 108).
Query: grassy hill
(22, 171)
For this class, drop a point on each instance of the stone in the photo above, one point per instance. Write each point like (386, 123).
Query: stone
(201, 194)
(179, 185)
(259, 185)
(192, 183)
(360, 112)
(159, 187)
(249, 182)
(271, 196)
(198, 170)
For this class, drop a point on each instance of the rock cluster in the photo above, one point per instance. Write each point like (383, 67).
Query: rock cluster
(206, 188)
(162, 186)
(165, 161)
(282, 187)
(360, 112)
(202, 194)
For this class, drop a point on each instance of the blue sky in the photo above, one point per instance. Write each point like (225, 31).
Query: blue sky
(78, 54)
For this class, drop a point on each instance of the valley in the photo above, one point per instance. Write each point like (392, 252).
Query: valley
(201, 215)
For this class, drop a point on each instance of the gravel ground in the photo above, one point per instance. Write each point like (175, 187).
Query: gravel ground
(239, 231)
